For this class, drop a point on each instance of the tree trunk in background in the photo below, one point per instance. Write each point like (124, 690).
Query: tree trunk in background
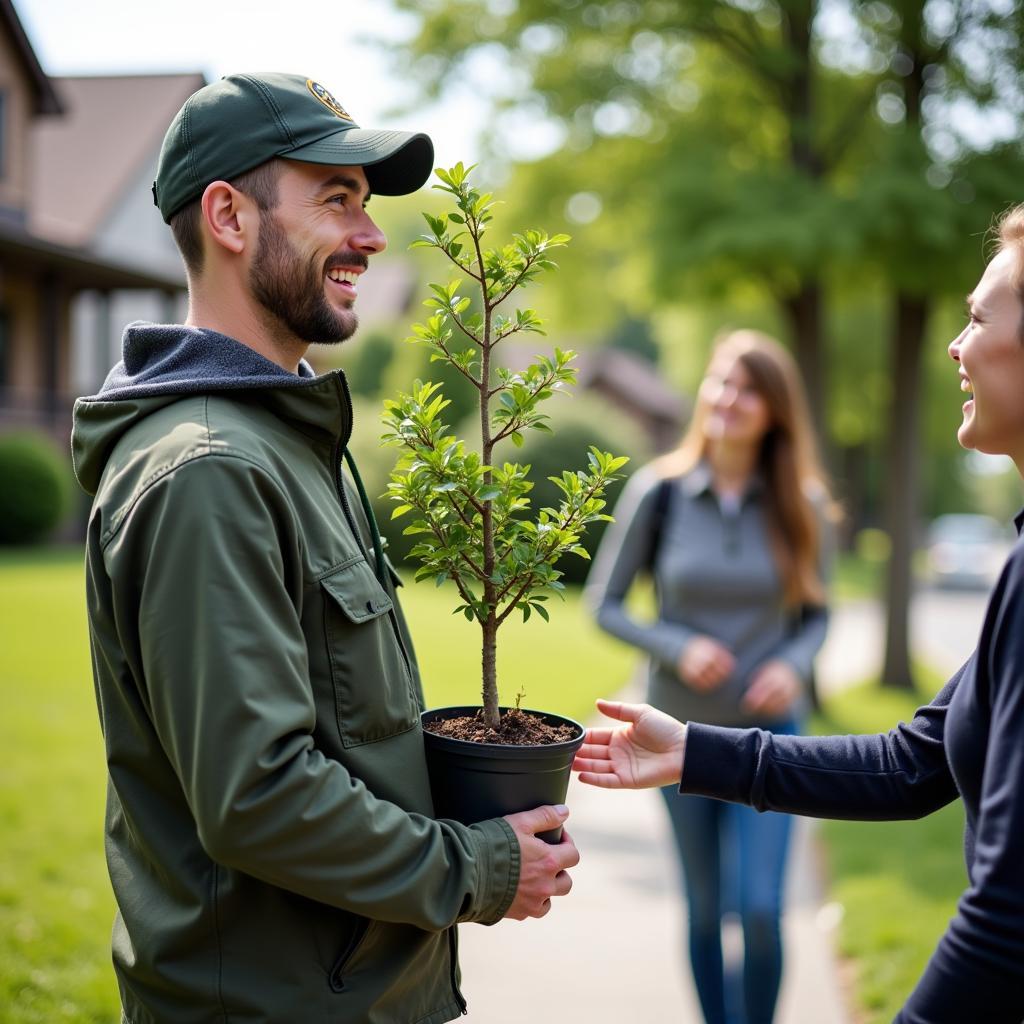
(804, 312)
(852, 470)
(911, 316)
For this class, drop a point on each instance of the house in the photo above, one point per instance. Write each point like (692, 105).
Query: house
(633, 384)
(71, 240)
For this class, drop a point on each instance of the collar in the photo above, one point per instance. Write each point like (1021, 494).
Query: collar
(1018, 521)
(700, 480)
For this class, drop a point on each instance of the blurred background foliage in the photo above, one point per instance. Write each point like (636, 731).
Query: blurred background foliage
(827, 170)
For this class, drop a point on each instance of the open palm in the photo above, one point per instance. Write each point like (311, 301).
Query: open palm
(646, 752)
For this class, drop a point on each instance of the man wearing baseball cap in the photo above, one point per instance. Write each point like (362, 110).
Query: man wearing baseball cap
(270, 833)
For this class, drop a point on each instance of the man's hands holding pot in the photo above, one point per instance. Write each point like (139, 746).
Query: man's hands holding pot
(542, 869)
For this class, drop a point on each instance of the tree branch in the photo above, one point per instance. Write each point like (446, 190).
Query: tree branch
(508, 611)
(461, 267)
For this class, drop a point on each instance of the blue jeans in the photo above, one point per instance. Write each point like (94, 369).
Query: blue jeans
(733, 858)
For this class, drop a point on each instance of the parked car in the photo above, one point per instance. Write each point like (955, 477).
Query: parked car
(966, 550)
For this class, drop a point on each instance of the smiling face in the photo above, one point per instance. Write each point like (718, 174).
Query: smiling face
(313, 245)
(990, 354)
(736, 412)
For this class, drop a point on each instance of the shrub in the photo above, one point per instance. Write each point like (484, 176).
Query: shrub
(35, 488)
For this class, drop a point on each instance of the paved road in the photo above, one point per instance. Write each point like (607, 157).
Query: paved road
(612, 953)
(944, 626)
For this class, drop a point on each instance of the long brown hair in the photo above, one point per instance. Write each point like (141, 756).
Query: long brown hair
(794, 478)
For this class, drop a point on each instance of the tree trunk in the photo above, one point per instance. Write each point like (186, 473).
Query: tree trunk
(804, 313)
(804, 307)
(489, 666)
(911, 316)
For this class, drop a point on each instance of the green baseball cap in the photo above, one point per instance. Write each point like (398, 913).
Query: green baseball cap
(240, 122)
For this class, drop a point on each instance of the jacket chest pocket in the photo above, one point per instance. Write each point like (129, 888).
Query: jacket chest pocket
(373, 692)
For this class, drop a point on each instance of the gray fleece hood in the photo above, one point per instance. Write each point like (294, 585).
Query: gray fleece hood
(162, 363)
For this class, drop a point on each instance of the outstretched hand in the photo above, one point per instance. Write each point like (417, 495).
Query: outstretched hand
(647, 752)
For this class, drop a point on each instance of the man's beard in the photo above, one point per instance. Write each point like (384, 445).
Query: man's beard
(292, 291)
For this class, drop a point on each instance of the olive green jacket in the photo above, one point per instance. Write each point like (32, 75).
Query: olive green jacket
(269, 824)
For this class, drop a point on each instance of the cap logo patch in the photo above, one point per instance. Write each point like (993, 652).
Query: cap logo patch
(327, 99)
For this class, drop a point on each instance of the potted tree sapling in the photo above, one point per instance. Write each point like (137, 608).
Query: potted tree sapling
(470, 512)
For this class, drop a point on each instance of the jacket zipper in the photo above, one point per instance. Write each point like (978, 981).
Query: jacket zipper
(453, 949)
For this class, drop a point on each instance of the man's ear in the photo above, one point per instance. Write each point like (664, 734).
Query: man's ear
(230, 216)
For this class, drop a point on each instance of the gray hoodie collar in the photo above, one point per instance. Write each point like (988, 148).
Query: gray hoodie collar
(169, 359)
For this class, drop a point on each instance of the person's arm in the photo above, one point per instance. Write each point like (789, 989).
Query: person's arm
(977, 970)
(207, 576)
(896, 775)
(900, 774)
(622, 555)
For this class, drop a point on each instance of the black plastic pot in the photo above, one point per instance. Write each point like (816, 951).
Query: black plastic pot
(474, 781)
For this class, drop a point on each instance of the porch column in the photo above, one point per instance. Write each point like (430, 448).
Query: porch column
(49, 345)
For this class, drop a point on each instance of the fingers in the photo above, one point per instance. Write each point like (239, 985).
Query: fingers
(717, 668)
(616, 709)
(563, 885)
(595, 747)
(612, 709)
(540, 819)
(773, 689)
(600, 779)
(565, 853)
(542, 874)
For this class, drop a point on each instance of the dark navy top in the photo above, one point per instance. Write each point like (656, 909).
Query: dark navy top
(969, 742)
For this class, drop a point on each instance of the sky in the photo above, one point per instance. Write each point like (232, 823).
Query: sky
(327, 42)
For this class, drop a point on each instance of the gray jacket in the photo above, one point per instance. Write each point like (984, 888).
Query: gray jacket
(715, 575)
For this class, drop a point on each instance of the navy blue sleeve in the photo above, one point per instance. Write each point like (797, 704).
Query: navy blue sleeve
(977, 971)
(899, 774)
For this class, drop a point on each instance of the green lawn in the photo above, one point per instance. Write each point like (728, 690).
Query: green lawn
(898, 882)
(55, 905)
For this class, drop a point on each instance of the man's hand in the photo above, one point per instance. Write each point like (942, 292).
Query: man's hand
(648, 752)
(705, 664)
(542, 870)
(773, 688)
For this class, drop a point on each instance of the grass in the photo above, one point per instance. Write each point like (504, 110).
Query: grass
(898, 882)
(856, 577)
(55, 904)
